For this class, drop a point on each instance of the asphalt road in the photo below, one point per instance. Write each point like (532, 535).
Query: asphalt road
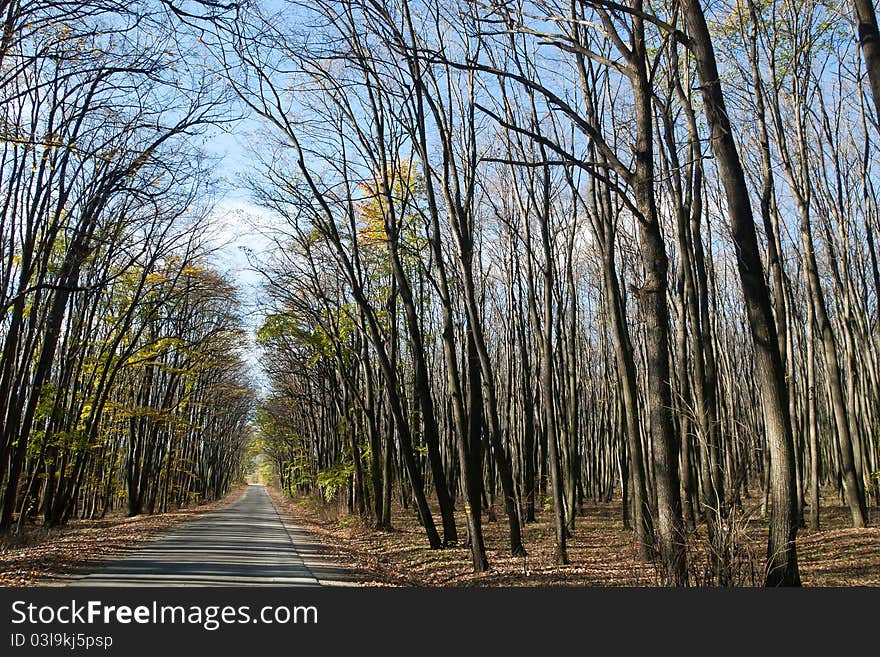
(243, 544)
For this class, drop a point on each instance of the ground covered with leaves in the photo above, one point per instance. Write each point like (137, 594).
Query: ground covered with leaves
(42, 556)
(601, 552)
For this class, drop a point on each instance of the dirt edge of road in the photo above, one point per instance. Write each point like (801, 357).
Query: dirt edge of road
(320, 547)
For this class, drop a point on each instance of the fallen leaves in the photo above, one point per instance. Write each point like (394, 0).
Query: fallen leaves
(601, 552)
(47, 557)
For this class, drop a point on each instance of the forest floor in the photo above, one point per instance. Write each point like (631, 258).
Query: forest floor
(41, 556)
(601, 552)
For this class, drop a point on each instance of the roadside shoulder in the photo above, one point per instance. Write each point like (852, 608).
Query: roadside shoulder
(332, 562)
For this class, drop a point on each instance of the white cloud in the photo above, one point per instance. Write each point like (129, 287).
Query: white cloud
(239, 235)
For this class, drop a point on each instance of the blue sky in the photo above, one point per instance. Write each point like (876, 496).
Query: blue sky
(239, 226)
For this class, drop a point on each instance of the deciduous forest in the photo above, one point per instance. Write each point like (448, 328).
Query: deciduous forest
(121, 381)
(528, 259)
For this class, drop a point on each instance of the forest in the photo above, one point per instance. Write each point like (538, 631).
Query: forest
(528, 256)
(122, 382)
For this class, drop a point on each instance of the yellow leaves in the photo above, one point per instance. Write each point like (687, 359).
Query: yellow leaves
(156, 278)
(372, 234)
(84, 417)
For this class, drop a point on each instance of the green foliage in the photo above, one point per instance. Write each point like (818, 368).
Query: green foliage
(275, 326)
(331, 480)
(298, 471)
(281, 328)
(46, 402)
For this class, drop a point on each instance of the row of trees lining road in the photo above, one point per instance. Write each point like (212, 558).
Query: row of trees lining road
(538, 253)
(121, 379)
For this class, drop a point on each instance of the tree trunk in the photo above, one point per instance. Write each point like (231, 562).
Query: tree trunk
(869, 40)
(782, 566)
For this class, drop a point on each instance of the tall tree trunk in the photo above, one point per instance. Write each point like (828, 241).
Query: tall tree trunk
(422, 386)
(782, 566)
(869, 40)
(556, 484)
(655, 315)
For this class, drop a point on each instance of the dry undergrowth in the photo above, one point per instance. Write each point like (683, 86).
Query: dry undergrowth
(601, 553)
(40, 556)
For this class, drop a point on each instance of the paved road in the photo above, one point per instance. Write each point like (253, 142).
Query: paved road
(243, 544)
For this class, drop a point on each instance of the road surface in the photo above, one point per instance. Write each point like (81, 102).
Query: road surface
(243, 544)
